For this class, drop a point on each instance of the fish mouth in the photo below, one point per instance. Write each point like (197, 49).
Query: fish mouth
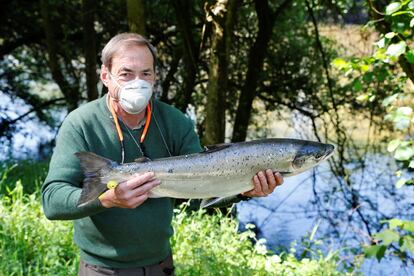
(329, 151)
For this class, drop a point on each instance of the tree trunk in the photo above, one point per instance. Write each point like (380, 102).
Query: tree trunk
(256, 58)
(189, 49)
(136, 16)
(70, 92)
(222, 16)
(89, 44)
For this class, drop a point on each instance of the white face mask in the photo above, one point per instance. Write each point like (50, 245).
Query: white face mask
(134, 95)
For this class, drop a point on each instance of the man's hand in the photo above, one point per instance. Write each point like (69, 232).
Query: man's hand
(131, 193)
(264, 183)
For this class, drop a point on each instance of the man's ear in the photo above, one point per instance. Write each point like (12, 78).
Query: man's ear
(104, 75)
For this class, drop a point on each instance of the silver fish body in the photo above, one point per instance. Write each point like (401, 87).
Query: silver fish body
(221, 171)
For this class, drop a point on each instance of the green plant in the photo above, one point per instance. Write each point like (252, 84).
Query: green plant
(29, 243)
(211, 245)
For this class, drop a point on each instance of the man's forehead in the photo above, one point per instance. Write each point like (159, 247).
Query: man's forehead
(132, 57)
(131, 64)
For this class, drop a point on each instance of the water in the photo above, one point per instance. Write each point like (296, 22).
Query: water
(317, 199)
(31, 138)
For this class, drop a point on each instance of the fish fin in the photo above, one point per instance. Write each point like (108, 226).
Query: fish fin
(216, 147)
(94, 168)
(220, 202)
(142, 159)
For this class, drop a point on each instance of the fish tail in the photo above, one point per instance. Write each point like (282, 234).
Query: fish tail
(95, 169)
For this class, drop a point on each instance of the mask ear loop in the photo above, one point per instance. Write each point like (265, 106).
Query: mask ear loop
(117, 84)
(119, 132)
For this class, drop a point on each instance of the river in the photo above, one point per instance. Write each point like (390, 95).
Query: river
(316, 201)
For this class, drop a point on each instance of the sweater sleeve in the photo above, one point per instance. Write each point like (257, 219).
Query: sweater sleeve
(62, 187)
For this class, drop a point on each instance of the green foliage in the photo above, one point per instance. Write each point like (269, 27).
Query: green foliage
(210, 245)
(29, 243)
(399, 234)
(30, 173)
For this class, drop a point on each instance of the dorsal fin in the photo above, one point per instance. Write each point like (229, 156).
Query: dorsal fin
(216, 147)
(142, 159)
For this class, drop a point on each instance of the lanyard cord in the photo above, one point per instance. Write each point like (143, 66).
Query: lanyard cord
(118, 131)
(147, 123)
(121, 135)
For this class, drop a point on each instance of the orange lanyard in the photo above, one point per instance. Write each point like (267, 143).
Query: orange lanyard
(119, 131)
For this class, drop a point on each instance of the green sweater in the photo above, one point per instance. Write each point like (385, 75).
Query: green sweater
(114, 237)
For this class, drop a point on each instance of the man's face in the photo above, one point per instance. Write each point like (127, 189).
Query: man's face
(129, 63)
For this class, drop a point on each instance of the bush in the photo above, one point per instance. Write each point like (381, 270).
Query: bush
(29, 243)
(210, 245)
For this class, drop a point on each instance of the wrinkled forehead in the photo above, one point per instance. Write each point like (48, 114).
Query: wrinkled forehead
(135, 58)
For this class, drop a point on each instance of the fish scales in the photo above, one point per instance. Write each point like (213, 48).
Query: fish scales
(223, 170)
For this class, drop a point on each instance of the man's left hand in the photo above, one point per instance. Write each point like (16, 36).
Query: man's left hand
(264, 183)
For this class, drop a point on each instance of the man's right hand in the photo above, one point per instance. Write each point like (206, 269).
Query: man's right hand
(131, 193)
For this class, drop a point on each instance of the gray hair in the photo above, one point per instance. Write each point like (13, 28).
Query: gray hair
(125, 40)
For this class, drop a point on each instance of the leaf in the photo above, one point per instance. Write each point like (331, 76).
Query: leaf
(387, 236)
(407, 243)
(410, 55)
(381, 43)
(388, 100)
(364, 67)
(393, 145)
(408, 225)
(357, 85)
(400, 183)
(377, 251)
(395, 223)
(404, 153)
(412, 23)
(390, 35)
(393, 7)
(340, 63)
(411, 5)
(396, 49)
(380, 55)
(362, 98)
(411, 165)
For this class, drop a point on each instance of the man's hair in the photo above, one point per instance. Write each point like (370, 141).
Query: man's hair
(125, 40)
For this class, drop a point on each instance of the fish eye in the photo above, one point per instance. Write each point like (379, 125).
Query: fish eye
(299, 161)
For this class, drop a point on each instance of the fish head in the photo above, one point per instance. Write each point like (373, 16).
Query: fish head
(311, 154)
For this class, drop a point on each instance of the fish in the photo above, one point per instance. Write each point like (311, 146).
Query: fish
(218, 174)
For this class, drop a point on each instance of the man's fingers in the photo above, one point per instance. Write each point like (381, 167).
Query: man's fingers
(271, 180)
(139, 180)
(137, 201)
(257, 186)
(145, 188)
(264, 186)
(279, 178)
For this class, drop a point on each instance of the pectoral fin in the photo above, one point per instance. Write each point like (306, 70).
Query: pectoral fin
(221, 202)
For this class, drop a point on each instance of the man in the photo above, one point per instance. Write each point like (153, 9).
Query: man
(124, 232)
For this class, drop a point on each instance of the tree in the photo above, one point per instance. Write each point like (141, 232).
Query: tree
(136, 16)
(222, 17)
